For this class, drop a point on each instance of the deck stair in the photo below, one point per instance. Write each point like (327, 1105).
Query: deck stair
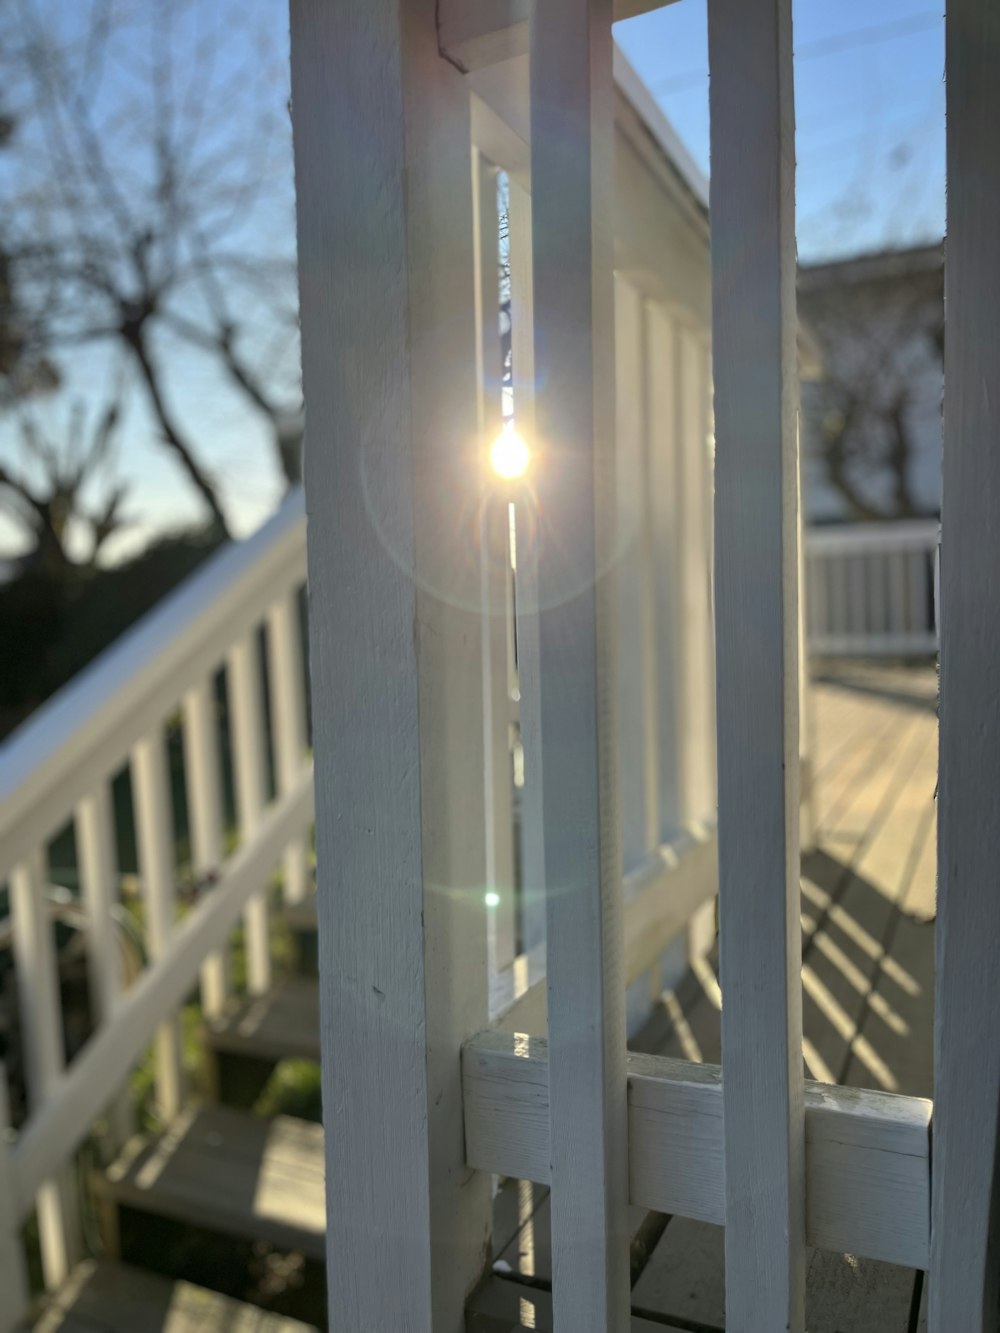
(116, 1298)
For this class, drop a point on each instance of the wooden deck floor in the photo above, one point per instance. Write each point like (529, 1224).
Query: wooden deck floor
(868, 999)
(868, 887)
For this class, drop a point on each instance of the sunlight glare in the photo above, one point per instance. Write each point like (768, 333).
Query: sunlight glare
(509, 454)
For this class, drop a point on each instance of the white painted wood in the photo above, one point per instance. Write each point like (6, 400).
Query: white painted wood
(288, 716)
(756, 577)
(533, 925)
(98, 867)
(867, 1154)
(155, 847)
(697, 734)
(634, 560)
(494, 537)
(664, 421)
(475, 33)
(394, 469)
(203, 778)
(87, 730)
(13, 1269)
(81, 1093)
(246, 704)
(965, 1225)
(40, 1014)
(572, 113)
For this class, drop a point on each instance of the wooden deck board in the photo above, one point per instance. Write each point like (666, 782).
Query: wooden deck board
(282, 1024)
(115, 1298)
(230, 1172)
(868, 907)
(868, 895)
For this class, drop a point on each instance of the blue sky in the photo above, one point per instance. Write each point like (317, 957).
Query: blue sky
(869, 94)
(870, 149)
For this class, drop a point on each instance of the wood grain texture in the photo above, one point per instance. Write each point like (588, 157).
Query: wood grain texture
(756, 580)
(393, 466)
(965, 1257)
(867, 1154)
(572, 130)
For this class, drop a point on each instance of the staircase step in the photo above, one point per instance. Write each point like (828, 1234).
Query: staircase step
(281, 1025)
(116, 1298)
(227, 1171)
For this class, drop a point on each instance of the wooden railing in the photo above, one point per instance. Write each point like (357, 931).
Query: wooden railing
(163, 677)
(871, 589)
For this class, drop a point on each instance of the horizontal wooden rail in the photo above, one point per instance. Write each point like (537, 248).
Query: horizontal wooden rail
(82, 1092)
(87, 729)
(474, 33)
(867, 1153)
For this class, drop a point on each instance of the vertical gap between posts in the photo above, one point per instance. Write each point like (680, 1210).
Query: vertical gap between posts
(203, 776)
(155, 847)
(964, 1292)
(42, 1043)
(494, 530)
(572, 103)
(661, 381)
(522, 332)
(247, 730)
(284, 645)
(752, 209)
(95, 840)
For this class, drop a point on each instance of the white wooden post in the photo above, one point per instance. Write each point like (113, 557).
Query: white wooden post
(96, 852)
(246, 703)
(204, 791)
(756, 577)
(40, 1011)
(14, 1296)
(288, 708)
(522, 332)
(494, 530)
(155, 845)
(572, 142)
(394, 470)
(965, 1217)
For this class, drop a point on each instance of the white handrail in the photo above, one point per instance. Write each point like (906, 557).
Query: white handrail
(87, 730)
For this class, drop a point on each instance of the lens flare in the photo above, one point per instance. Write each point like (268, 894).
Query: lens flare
(509, 454)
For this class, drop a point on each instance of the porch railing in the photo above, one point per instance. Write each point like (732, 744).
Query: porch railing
(871, 589)
(232, 631)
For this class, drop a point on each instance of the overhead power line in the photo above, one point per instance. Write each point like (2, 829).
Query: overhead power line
(823, 46)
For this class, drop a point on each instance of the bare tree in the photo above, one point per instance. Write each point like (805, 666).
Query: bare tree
(879, 325)
(152, 208)
(64, 492)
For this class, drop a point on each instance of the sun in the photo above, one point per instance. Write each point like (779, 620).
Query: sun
(509, 454)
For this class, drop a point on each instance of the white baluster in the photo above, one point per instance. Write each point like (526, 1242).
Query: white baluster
(204, 801)
(756, 574)
(98, 862)
(155, 846)
(40, 1010)
(246, 725)
(288, 715)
